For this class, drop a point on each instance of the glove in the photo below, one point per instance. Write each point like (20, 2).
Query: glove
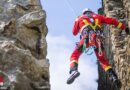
(127, 31)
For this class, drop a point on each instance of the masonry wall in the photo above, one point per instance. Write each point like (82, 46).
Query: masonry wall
(117, 45)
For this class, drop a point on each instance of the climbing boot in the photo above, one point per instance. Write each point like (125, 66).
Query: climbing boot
(74, 74)
(113, 78)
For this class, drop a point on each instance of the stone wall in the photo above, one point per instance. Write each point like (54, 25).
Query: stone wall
(117, 46)
(23, 47)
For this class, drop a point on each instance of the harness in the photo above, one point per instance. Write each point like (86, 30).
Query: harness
(88, 31)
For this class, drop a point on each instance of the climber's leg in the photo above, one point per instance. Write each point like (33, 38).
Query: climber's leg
(103, 61)
(106, 66)
(74, 61)
(75, 56)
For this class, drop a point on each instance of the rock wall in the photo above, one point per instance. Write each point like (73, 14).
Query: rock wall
(117, 46)
(23, 47)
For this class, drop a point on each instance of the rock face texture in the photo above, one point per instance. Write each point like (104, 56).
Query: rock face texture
(117, 46)
(23, 47)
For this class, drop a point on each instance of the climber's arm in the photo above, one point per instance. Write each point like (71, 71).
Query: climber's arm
(76, 27)
(112, 21)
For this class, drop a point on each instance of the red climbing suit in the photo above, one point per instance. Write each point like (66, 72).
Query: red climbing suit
(80, 24)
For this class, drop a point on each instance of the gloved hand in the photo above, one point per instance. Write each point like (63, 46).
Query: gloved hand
(127, 31)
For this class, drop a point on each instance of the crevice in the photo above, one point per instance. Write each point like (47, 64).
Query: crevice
(45, 78)
(38, 39)
(35, 28)
(9, 29)
(22, 7)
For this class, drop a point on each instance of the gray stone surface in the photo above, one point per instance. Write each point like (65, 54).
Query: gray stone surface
(23, 46)
(117, 47)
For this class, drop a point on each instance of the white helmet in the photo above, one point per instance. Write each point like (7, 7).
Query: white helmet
(86, 10)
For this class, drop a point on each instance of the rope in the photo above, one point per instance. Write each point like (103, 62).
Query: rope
(84, 48)
(69, 4)
(90, 48)
(84, 45)
(72, 9)
(99, 45)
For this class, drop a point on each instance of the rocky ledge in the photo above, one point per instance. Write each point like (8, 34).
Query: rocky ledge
(23, 47)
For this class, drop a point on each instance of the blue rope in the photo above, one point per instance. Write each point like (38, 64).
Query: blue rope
(90, 48)
(84, 48)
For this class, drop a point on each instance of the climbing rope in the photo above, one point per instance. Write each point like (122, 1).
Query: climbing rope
(89, 48)
(73, 10)
(99, 45)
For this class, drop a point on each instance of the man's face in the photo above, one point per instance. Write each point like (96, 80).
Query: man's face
(89, 14)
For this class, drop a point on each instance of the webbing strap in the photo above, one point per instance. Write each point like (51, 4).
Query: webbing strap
(96, 23)
(86, 24)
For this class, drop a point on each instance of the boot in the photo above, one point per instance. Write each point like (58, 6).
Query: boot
(74, 74)
(113, 78)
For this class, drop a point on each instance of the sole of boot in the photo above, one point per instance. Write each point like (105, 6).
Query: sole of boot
(72, 78)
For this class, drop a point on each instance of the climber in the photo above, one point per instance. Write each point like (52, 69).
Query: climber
(1, 82)
(89, 25)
